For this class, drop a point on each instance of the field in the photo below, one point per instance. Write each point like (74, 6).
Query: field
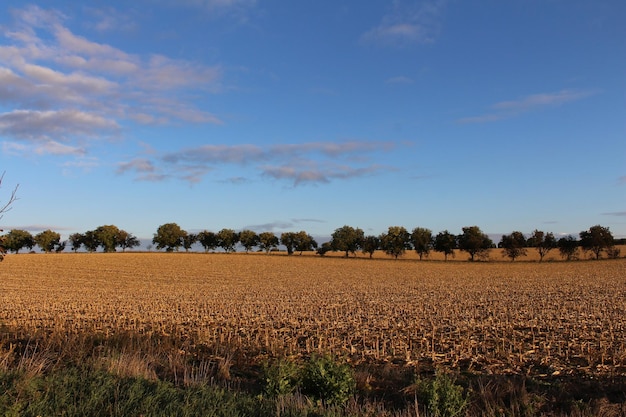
(548, 321)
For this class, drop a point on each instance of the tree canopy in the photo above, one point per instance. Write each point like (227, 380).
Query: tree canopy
(396, 241)
(513, 245)
(49, 241)
(347, 239)
(597, 239)
(446, 243)
(422, 241)
(474, 242)
(18, 239)
(169, 236)
(543, 242)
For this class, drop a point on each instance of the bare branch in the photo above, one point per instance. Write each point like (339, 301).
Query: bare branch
(12, 199)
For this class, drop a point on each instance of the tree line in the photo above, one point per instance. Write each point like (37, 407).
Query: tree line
(597, 240)
(108, 237)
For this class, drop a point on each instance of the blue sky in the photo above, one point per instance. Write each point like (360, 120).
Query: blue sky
(310, 115)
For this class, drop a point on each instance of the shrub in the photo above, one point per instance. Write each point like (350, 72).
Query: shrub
(280, 378)
(328, 381)
(441, 396)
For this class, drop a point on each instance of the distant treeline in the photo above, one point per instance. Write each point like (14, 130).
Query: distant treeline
(597, 240)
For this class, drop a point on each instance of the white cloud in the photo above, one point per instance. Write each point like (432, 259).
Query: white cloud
(409, 22)
(92, 87)
(55, 148)
(300, 163)
(508, 109)
(36, 125)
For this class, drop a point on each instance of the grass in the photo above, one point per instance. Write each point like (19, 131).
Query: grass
(525, 337)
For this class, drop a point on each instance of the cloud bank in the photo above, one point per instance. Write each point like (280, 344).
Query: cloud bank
(299, 164)
(64, 90)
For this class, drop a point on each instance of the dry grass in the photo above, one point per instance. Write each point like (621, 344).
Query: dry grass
(553, 318)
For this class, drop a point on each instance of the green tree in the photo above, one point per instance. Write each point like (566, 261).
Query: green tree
(422, 241)
(18, 239)
(90, 241)
(474, 242)
(107, 237)
(324, 248)
(48, 240)
(248, 239)
(208, 240)
(543, 242)
(288, 239)
(268, 241)
(169, 236)
(188, 240)
(445, 242)
(597, 239)
(76, 240)
(347, 239)
(568, 246)
(126, 240)
(370, 245)
(396, 241)
(513, 245)
(304, 242)
(227, 239)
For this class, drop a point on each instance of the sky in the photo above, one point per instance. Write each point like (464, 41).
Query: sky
(310, 115)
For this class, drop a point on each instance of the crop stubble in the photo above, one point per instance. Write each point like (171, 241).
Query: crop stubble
(550, 318)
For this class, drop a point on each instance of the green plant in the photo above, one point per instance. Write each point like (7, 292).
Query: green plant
(441, 396)
(280, 377)
(326, 380)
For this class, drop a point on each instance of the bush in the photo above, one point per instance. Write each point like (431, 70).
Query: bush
(441, 396)
(280, 378)
(328, 381)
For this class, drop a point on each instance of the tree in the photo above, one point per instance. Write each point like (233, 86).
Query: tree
(3, 209)
(268, 241)
(17, 239)
(107, 236)
(347, 239)
(324, 249)
(208, 240)
(568, 246)
(227, 239)
(474, 242)
(543, 242)
(597, 239)
(513, 245)
(248, 239)
(169, 236)
(396, 241)
(370, 245)
(188, 240)
(304, 242)
(288, 239)
(48, 240)
(7, 206)
(60, 247)
(422, 241)
(445, 242)
(126, 240)
(76, 240)
(90, 241)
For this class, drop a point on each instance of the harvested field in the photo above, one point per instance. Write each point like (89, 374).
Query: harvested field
(555, 318)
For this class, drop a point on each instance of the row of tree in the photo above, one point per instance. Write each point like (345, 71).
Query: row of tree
(107, 237)
(395, 242)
